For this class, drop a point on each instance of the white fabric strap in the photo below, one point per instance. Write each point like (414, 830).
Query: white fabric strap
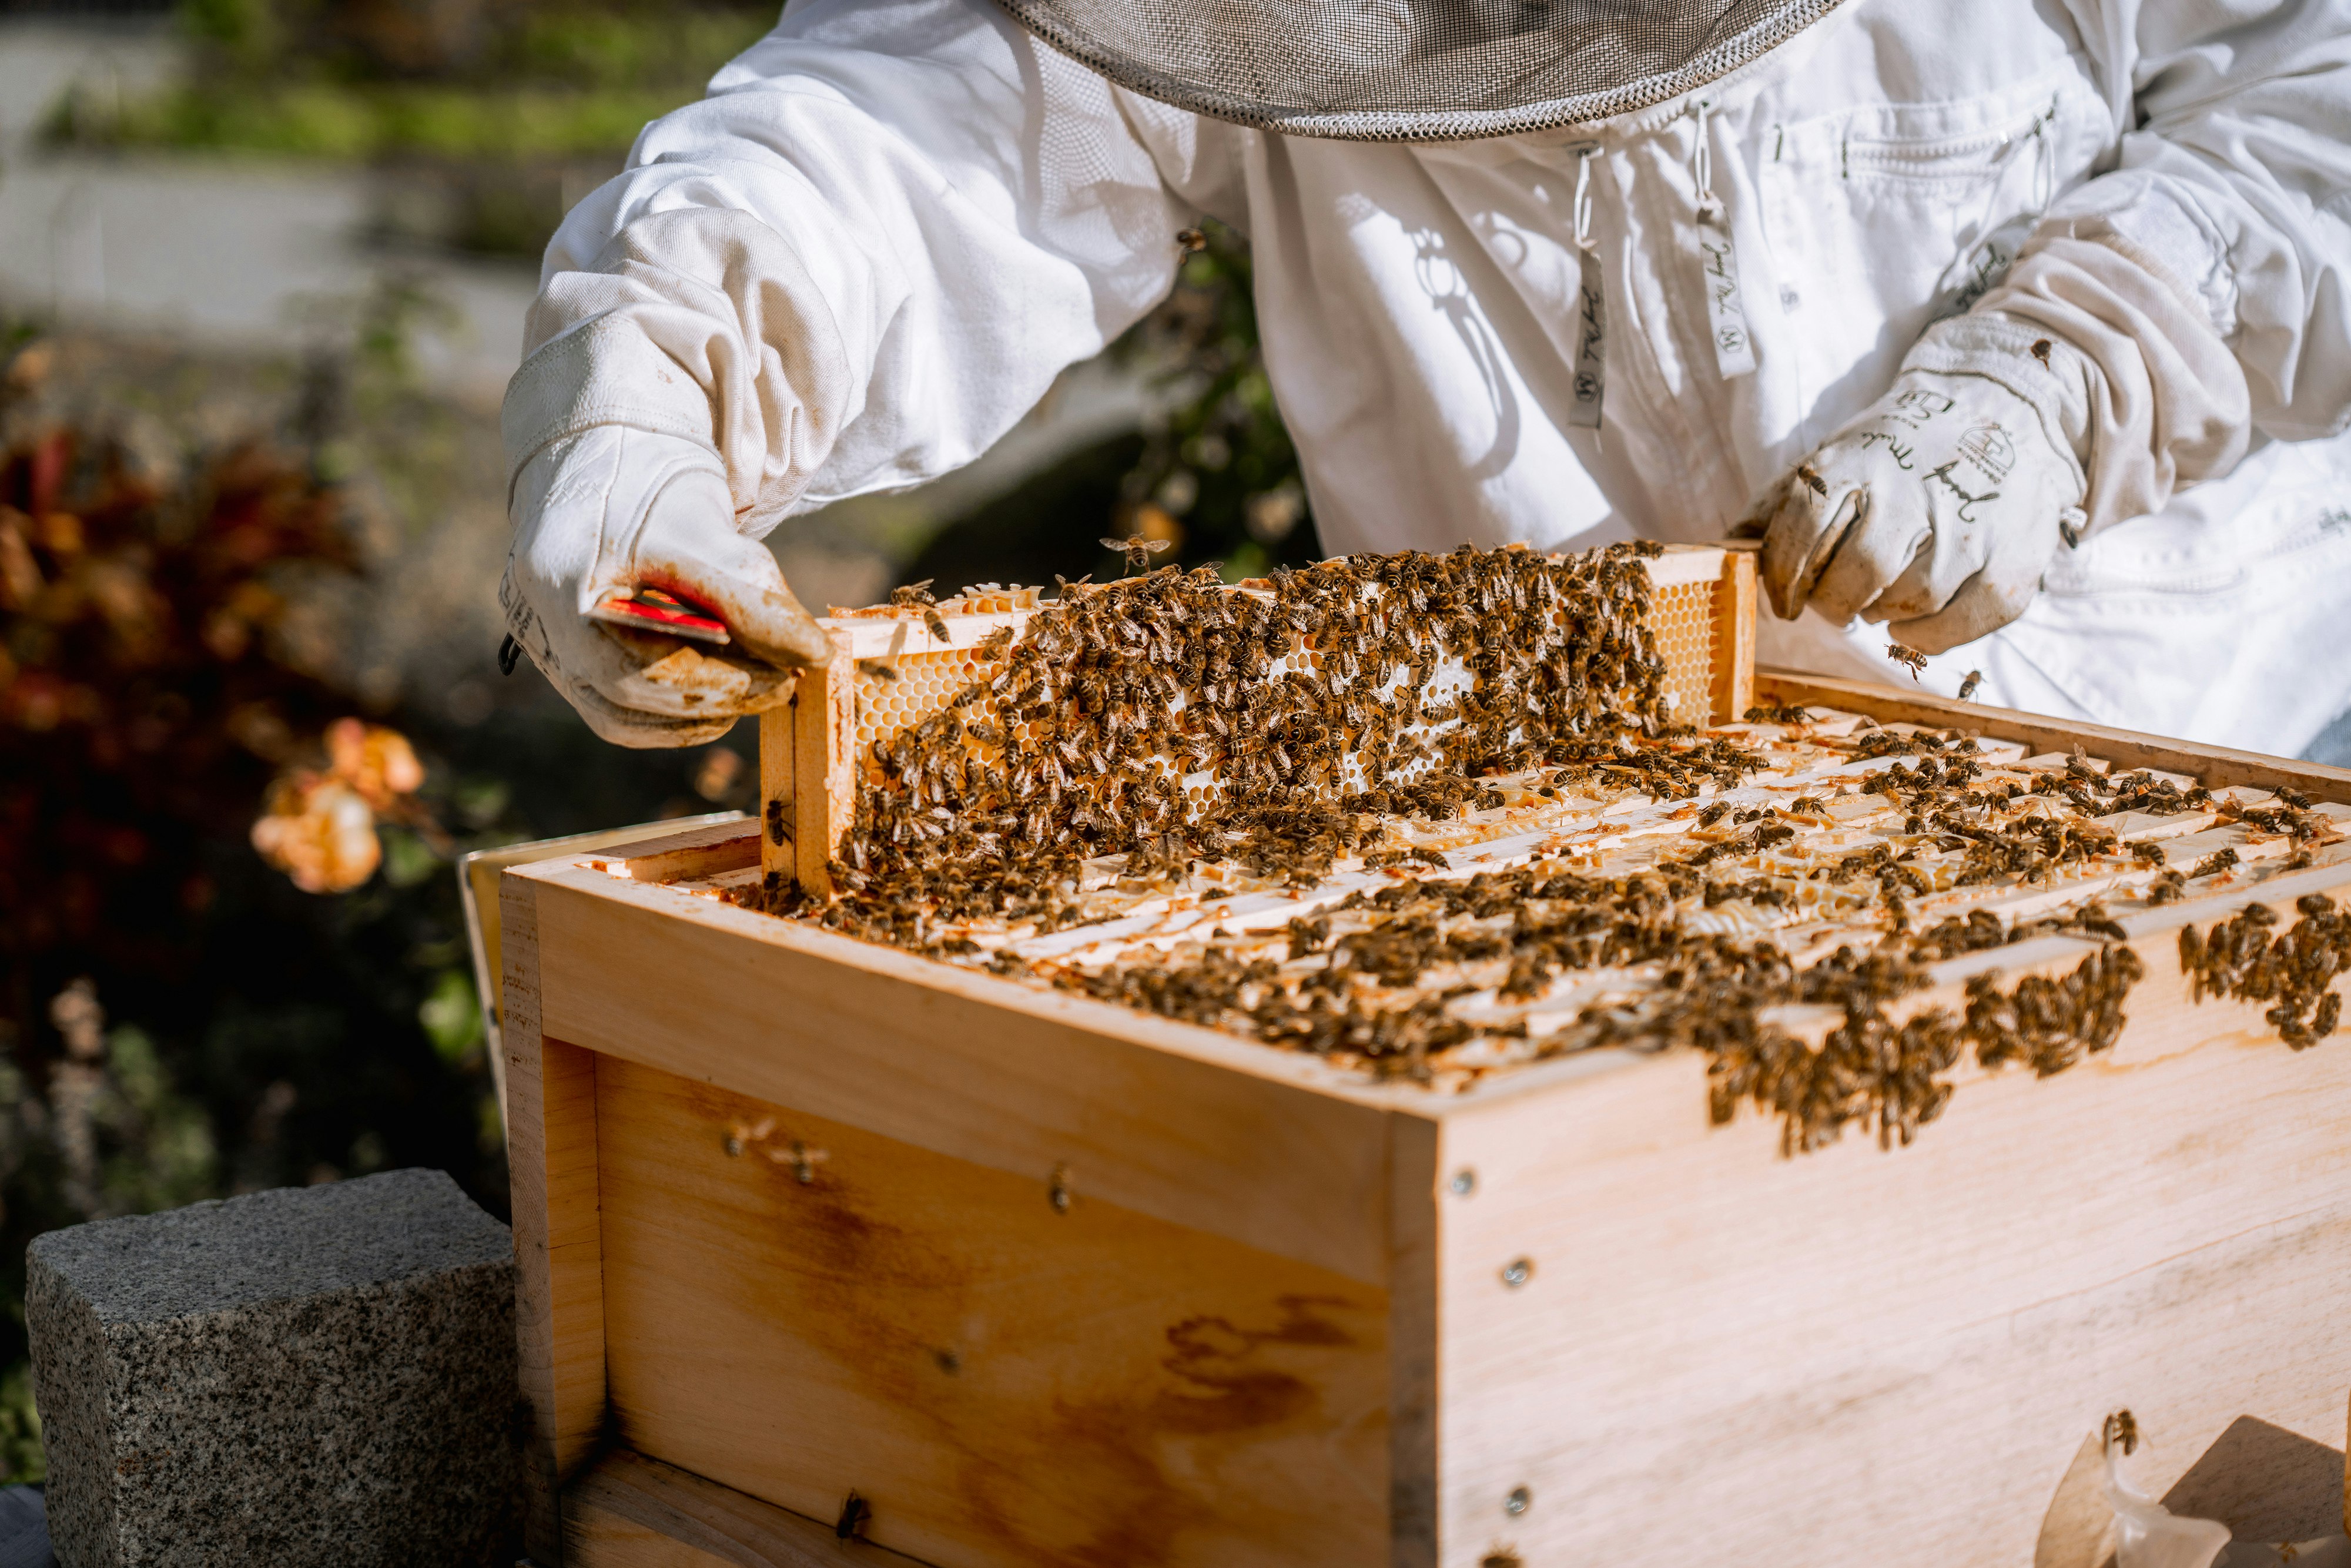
(1702, 159)
(1583, 205)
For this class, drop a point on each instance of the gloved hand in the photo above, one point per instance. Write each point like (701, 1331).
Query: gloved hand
(616, 507)
(1938, 508)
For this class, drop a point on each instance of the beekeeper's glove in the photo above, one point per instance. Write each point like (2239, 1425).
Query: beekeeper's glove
(2150, 1535)
(615, 508)
(1938, 509)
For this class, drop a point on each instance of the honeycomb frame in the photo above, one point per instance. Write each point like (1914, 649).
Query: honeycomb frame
(895, 672)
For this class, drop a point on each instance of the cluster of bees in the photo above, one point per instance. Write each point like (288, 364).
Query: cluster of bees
(2239, 958)
(1169, 719)
(1166, 736)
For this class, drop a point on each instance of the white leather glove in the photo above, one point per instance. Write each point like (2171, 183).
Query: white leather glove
(616, 507)
(1939, 509)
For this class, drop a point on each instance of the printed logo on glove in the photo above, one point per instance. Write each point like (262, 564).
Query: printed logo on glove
(619, 509)
(1936, 510)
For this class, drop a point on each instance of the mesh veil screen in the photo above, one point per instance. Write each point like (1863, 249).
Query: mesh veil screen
(1417, 70)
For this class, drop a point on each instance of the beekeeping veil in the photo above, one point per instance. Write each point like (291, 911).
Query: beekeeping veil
(1415, 70)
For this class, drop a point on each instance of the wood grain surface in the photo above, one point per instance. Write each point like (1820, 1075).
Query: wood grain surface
(629, 1511)
(1006, 1379)
(558, 1288)
(1890, 1358)
(1269, 1148)
(1276, 1324)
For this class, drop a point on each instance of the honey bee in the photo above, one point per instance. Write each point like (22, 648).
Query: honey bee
(1189, 241)
(1910, 659)
(1137, 549)
(936, 624)
(1968, 688)
(1813, 481)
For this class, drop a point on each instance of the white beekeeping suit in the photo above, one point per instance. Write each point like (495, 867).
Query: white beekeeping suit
(2093, 249)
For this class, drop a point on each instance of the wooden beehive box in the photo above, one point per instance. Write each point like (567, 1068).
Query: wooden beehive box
(1041, 1280)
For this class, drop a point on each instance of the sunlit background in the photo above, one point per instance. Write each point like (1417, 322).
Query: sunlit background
(263, 271)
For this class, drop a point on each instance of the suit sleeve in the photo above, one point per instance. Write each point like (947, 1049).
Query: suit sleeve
(2204, 274)
(864, 254)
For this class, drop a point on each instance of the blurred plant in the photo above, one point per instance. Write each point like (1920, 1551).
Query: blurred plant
(151, 684)
(142, 704)
(1218, 477)
(318, 826)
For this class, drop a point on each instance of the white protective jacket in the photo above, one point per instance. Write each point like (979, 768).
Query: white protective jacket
(860, 260)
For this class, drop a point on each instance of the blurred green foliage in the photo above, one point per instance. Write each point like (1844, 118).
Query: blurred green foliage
(503, 114)
(177, 1021)
(368, 120)
(511, 85)
(1220, 466)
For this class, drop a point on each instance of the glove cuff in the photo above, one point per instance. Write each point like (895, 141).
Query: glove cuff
(2056, 383)
(564, 390)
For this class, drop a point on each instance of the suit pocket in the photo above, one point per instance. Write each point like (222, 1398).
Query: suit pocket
(1883, 217)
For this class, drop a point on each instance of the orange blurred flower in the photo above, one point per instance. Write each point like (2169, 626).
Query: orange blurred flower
(319, 828)
(377, 762)
(320, 833)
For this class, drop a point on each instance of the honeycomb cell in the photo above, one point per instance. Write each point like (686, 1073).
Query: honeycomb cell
(1685, 621)
(927, 681)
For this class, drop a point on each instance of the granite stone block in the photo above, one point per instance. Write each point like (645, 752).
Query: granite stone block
(319, 1374)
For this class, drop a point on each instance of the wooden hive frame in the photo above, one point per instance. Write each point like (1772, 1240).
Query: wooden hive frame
(1049, 1282)
(812, 750)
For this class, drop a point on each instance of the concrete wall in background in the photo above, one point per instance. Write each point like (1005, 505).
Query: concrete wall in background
(246, 255)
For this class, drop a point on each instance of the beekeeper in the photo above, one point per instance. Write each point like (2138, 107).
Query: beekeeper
(2026, 319)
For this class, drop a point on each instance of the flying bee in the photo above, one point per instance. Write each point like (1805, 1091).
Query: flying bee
(1138, 549)
(913, 594)
(1191, 240)
(1968, 688)
(1910, 659)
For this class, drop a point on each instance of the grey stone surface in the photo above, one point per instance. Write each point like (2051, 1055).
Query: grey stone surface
(312, 1375)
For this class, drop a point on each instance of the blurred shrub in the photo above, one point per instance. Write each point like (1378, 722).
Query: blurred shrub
(368, 121)
(1218, 477)
(176, 1020)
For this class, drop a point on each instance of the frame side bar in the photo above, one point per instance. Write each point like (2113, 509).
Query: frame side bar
(558, 1285)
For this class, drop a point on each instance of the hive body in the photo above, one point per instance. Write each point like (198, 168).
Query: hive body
(1047, 1280)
